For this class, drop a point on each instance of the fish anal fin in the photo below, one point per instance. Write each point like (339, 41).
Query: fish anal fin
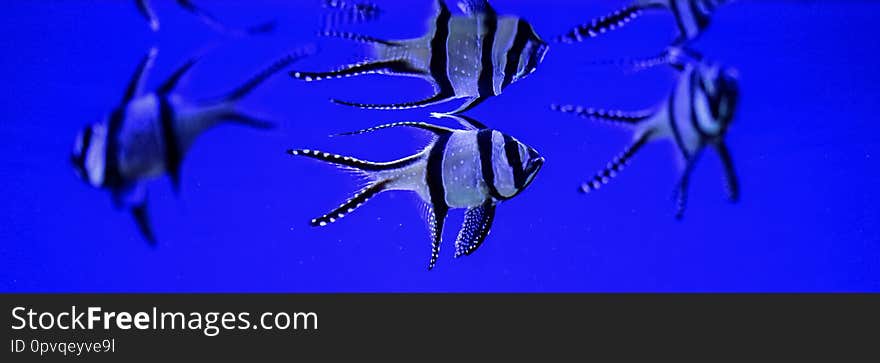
(436, 220)
(475, 229)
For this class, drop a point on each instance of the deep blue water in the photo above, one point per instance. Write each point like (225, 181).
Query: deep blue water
(805, 144)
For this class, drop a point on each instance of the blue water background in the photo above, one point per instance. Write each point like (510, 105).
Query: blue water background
(805, 143)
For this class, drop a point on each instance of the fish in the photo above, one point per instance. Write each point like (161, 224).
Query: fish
(692, 17)
(473, 168)
(473, 56)
(148, 133)
(149, 15)
(695, 116)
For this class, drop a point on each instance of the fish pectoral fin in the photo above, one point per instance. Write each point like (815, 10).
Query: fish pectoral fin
(136, 83)
(436, 219)
(134, 197)
(475, 229)
(731, 181)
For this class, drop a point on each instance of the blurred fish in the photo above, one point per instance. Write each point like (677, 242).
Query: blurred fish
(474, 168)
(206, 17)
(691, 16)
(696, 115)
(475, 56)
(147, 134)
(340, 12)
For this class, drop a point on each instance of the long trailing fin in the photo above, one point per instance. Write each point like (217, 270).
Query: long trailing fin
(349, 206)
(475, 229)
(142, 219)
(136, 83)
(619, 117)
(601, 25)
(615, 166)
(390, 67)
(346, 12)
(329, 33)
(731, 181)
(680, 194)
(269, 71)
(219, 26)
(437, 130)
(436, 220)
(354, 163)
(146, 11)
(467, 122)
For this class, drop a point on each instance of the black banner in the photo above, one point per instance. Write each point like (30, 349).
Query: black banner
(125, 327)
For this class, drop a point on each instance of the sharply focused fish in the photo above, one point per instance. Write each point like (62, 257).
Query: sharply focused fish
(472, 57)
(206, 17)
(691, 16)
(474, 168)
(147, 135)
(696, 115)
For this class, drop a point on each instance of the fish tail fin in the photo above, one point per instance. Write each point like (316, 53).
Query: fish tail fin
(602, 24)
(258, 79)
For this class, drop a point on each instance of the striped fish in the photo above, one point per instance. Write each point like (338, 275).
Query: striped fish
(691, 16)
(147, 12)
(147, 135)
(471, 57)
(474, 168)
(696, 115)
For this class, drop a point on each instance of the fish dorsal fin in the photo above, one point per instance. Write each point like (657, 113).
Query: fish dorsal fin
(474, 7)
(136, 83)
(171, 83)
(467, 122)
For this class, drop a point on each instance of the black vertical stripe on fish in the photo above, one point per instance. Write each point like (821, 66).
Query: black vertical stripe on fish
(486, 82)
(673, 124)
(173, 155)
(112, 177)
(511, 150)
(693, 81)
(513, 54)
(439, 52)
(484, 145)
(434, 174)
